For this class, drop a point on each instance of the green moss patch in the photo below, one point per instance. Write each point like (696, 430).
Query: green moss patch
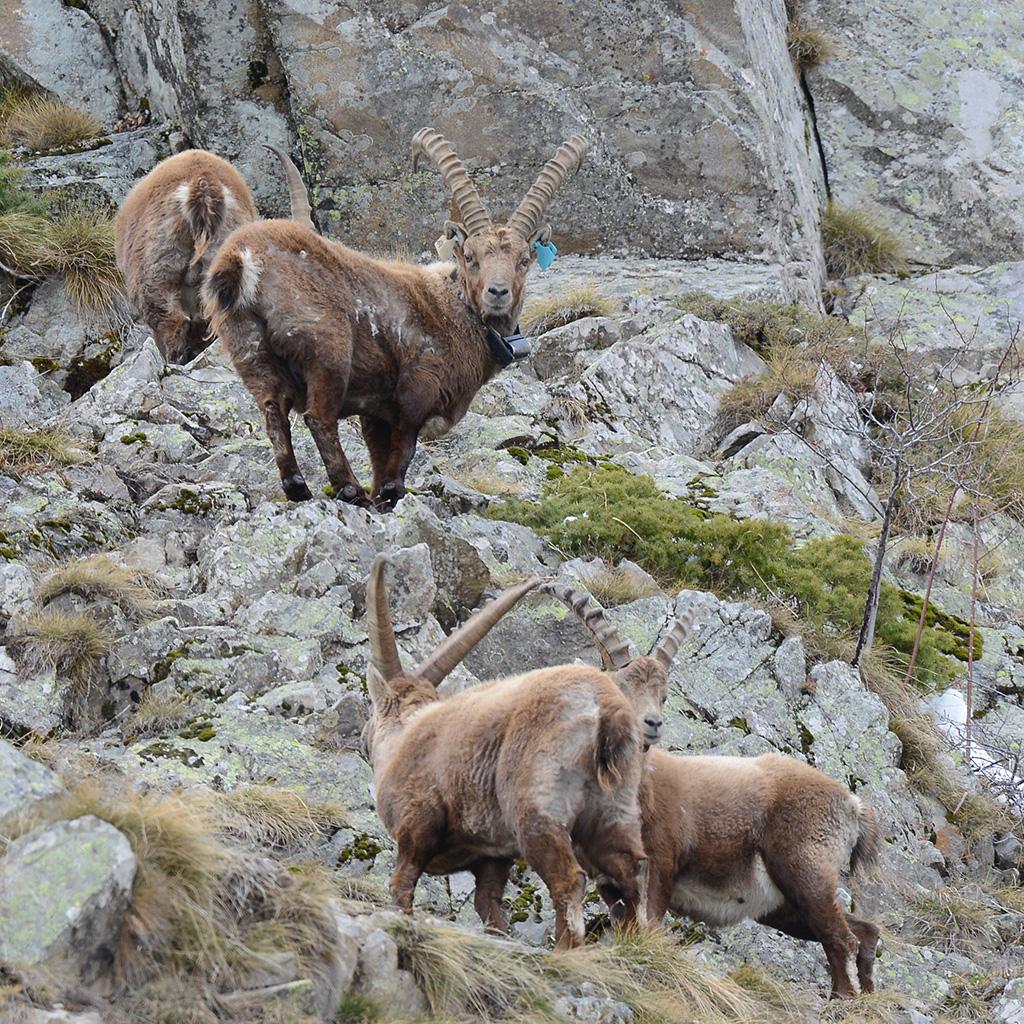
(607, 512)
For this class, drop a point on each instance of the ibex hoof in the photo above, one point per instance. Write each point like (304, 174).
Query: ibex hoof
(389, 495)
(295, 488)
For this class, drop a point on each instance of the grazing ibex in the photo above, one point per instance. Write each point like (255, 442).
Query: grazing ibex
(168, 230)
(543, 766)
(765, 838)
(314, 326)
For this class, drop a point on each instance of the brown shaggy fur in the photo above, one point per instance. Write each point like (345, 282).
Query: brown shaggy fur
(730, 838)
(314, 326)
(543, 766)
(168, 229)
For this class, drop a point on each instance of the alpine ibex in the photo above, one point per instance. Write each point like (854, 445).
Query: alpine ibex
(168, 230)
(765, 838)
(314, 326)
(543, 766)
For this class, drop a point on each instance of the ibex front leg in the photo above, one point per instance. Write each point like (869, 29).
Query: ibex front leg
(403, 447)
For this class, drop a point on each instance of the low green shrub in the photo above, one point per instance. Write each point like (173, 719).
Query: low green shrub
(607, 512)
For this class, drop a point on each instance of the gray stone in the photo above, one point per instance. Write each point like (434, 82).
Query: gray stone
(1009, 1008)
(917, 112)
(28, 703)
(660, 387)
(1008, 852)
(102, 177)
(26, 397)
(568, 349)
(64, 889)
(61, 49)
(26, 788)
(383, 980)
(985, 304)
(789, 664)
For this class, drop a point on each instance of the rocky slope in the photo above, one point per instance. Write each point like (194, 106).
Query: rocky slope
(229, 646)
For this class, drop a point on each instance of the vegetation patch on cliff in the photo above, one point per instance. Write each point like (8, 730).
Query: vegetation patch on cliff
(606, 511)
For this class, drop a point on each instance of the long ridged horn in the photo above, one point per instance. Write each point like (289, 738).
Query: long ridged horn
(431, 144)
(301, 210)
(467, 636)
(528, 214)
(665, 651)
(613, 649)
(383, 648)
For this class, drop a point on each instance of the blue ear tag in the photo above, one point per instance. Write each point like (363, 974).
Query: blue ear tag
(545, 254)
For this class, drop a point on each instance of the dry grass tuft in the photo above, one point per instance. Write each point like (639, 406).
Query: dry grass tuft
(914, 554)
(545, 314)
(278, 818)
(34, 451)
(808, 46)
(856, 243)
(488, 979)
(789, 371)
(79, 247)
(156, 716)
(874, 1008)
(22, 236)
(70, 643)
(99, 576)
(953, 919)
(612, 587)
(43, 124)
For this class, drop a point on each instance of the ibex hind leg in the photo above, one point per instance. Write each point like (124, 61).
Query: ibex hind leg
(274, 395)
(547, 848)
(619, 856)
(867, 938)
(810, 890)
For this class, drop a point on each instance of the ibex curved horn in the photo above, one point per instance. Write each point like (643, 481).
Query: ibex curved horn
(680, 629)
(301, 210)
(467, 636)
(613, 649)
(433, 145)
(383, 648)
(528, 214)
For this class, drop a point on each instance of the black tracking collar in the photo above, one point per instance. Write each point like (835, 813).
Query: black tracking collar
(507, 349)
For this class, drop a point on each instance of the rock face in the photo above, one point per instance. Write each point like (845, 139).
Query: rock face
(918, 113)
(26, 788)
(44, 43)
(507, 88)
(64, 889)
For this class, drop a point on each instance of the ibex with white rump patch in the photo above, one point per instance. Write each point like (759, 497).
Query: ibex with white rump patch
(765, 838)
(314, 326)
(168, 230)
(543, 766)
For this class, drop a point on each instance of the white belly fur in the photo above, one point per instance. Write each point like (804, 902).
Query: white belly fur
(750, 897)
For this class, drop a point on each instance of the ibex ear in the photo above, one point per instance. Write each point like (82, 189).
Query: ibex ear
(542, 235)
(376, 684)
(456, 232)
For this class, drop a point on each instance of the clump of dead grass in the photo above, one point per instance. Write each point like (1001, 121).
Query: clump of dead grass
(157, 715)
(487, 979)
(545, 314)
(278, 818)
(134, 591)
(70, 643)
(78, 246)
(857, 243)
(34, 451)
(808, 47)
(612, 587)
(789, 371)
(43, 124)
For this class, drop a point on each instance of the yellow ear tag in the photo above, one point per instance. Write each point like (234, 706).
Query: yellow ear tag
(445, 247)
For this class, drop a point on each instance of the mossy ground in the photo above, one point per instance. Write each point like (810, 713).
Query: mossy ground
(606, 511)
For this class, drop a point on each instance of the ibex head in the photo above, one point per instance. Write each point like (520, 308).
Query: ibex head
(395, 693)
(493, 260)
(642, 678)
